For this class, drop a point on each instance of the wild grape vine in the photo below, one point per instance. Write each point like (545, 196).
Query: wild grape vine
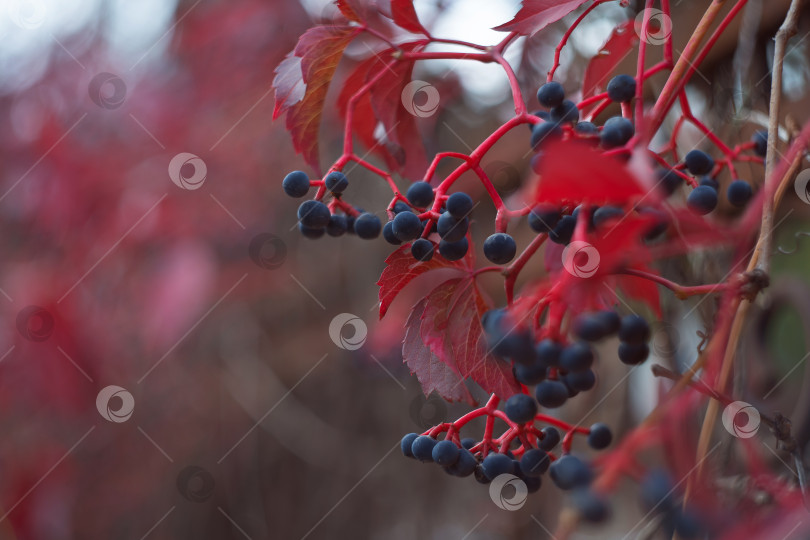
(604, 202)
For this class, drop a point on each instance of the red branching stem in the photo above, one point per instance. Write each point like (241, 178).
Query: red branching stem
(681, 291)
(558, 49)
(642, 58)
(513, 270)
(517, 96)
(441, 155)
(425, 55)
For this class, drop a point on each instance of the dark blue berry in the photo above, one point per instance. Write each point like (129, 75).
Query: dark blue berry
(534, 463)
(544, 217)
(530, 374)
(633, 353)
(551, 394)
(532, 483)
(548, 352)
(739, 192)
(420, 194)
(422, 249)
(388, 234)
(313, 214)
(622, 88)
(495, 465)
(450, 228)
(616, 132)
(459, 205)
(600, 436)
(407, 442)
(401, 206)
(544, 132)
(658, 226)
(586, 128)
(551, 94)
(406, 226)
(577, 356)
(590, 327)
(760, 139)
(564, 230)
(610, 320)
(592, 507)
(669, 180)
(350, 224)
(569, 472)
(551, 438)
(702, 200)
(465, 465)
(565, 113)
(445, 453)
(336, 182)
(468, 442)
(367, 226)
(540, 114)
(520, 408)
(606, 213)
(580, 381)
(500, 248)
(453, 251)
(312, 234)
(422, 448)
(657, 491)
(296, 184)
(336, 226)
(687, 524)
(634, 329)
(699, 162)
(513, 343)
(709, 181)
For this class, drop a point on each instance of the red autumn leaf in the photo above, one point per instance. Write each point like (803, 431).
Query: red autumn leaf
(534, 15)
(643, 290)
(571, 172)
(289, 84)
(401, 268)
(451, 327)
(616, 48)
(345, 7)
(404, 16)
(320, 49)
(433, 374)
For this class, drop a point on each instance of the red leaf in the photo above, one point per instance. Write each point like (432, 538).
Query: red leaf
(571, 172)
(433, 374)
(289, 84)
(643, 290)
(401, 268)
(320, 49)
(404, 16)
(534, 15)
(451, 327)
(601, 66)
(348, 11)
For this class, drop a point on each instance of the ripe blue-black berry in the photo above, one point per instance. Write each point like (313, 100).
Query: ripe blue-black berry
(350, 223)
(459, 205)
(532, 483)
(580, 381)
(669, 180)
(296, 184)
(686, 522)
(634, 329)
(586, 128)
(388, 234)
(739, 192)
(495, 465)
(577, 356)
(465, 465)
(544, 132)
(367, 226)
(336, 226)
(616, 132)
(544, 217)
(530, 374)
(422, 249)
(610, 320)
(422, 448)
(513, 343)
(605, 214)
(450, 228)
(570, 472)
(760, 139)
(592, 507)
(702, 200)
(551, 394)
(407, 442)
(401, 206)
(548, 352)
(565, 113)
(453, 251)
(468, 442)
(698, 162)
(445, 453)
(336, 182)
(313, 214)
(600, 436)
(551, 438)
(312, 234)
(534, 462)
(622, 88)
(406, 226)
(520, 408)
(658, 226)
(500, 248)
(420, 194)
(709, 181)
(551, 94)
(633, 353)
(564, 230)
(590, 327)
(540, 114)
(657, 491)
